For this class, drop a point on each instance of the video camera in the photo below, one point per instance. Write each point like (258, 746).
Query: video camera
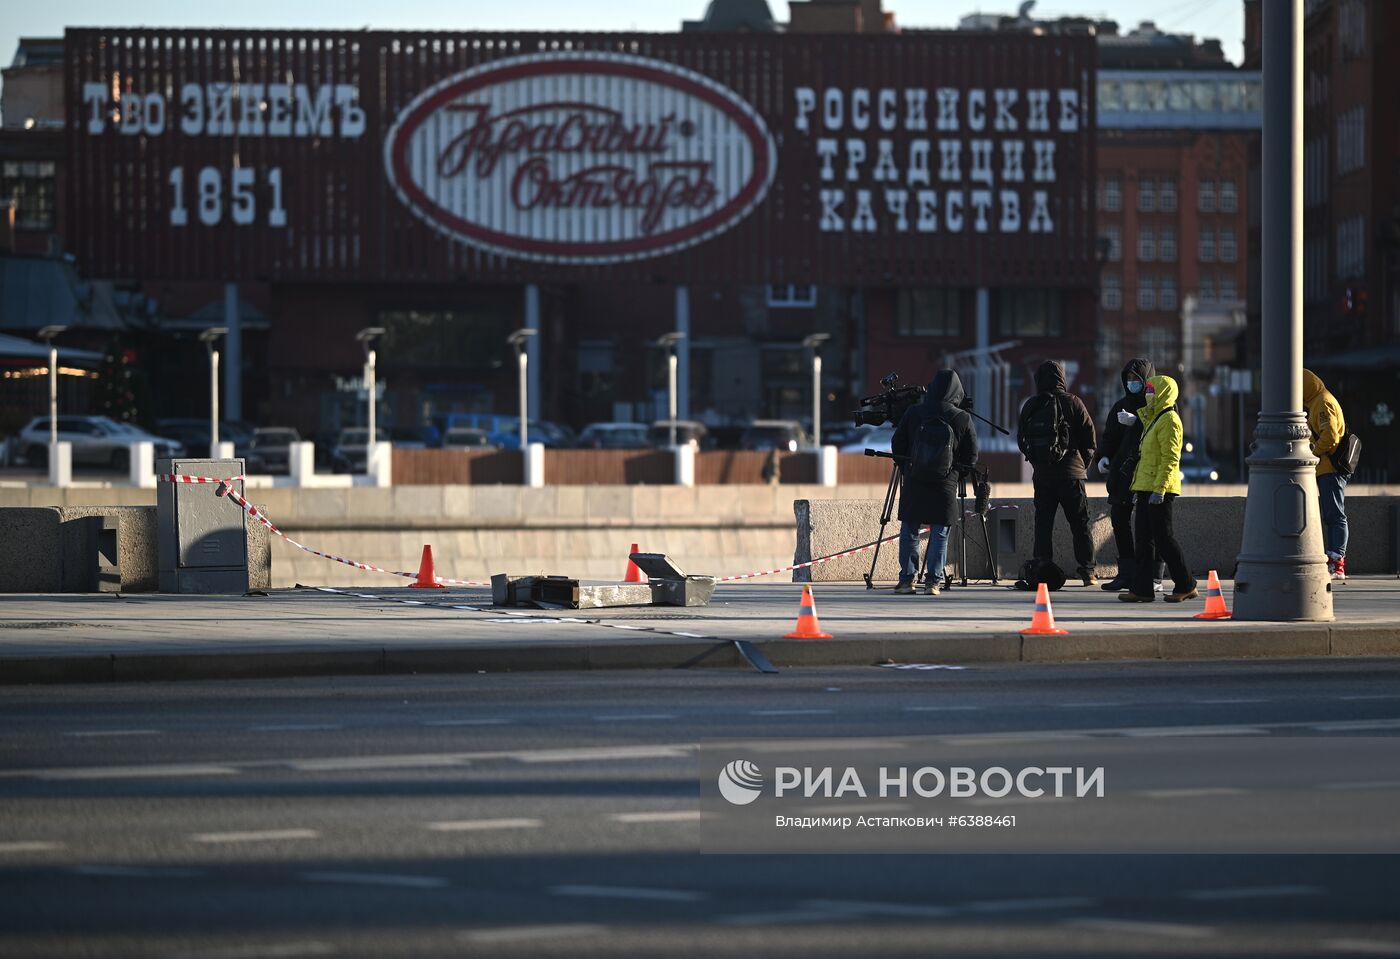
(889, 406)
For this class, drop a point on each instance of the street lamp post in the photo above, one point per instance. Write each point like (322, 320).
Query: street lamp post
(208, 337)
(366, 338)
(669, 342)
(47, 334)
(519, 339)
(814, 343)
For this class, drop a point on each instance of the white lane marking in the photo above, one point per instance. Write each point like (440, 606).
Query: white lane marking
(852, 907)
(673, 815)
(375, 879)
(466, 722)
(1365, 947)
(1192, 793)
(1251, 892)
(137, 872)
(689, 635)
(1374, 784)
(1026, 905)
(791, 712)
(941, 709)
(1170, 929)
(525, 933)
(293, 727)
(630, 892)
(29, 845)
(1088, 705)
(257, 835)
(274, 950)
(591, 754)
(345, 763)
(1357, 724)
(412, 602)
(636, 717)
(1227, 702)
(114, 732)
(131, 772)
(1149, 732)
(483, 825)
(470, 609)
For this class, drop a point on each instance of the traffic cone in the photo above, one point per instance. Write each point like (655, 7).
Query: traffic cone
(427, 578)
(1215, 600)
(1043, 620)
(807, 625)
(634, 575)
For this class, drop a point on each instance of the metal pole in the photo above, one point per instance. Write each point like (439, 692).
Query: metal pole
(53, 402)
(672, 362)
(370, 389)
(1282, 572)
(816, 399)
(233, 345)
(213, 403)
(524, 361)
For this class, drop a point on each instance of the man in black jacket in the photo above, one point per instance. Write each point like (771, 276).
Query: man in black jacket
(1056, 435)
(931, 503)
(1118, 450)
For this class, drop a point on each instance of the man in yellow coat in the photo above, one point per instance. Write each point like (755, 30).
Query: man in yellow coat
(1328, 426)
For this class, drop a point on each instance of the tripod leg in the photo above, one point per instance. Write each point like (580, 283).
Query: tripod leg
(987, 547)
(885, 515)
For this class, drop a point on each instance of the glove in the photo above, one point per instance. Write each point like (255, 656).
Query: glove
(1103, 465)
(1156, 499)
(1126, 418)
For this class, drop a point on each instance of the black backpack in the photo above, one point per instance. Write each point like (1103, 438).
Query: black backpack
(1044, 435)
(1347, 456)
(931, 452)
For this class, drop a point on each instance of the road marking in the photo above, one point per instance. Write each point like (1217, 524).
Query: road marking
(673, 815)
(137, 872)
(777, 918)
(132, 772)
(1088, 705)
(1375, 784)
(522, 933)
(1148, 732)
(1192, 793)
(293, 727)
(1227, 702)
(1366, 947)
(261, 835)
(114, 732)
(466, 722)
(1369, 696)
(345, 763)
(630, 892)
(856, 907)
(376, 879)
(1025, 905)
(1251, 892)
(636, 717)
(941, 709)
(1356, 724)
(276, 950)
(593, 754)
(791, 712)
(483, 825)
(29, 845)
(988, 739)
(1170, 929)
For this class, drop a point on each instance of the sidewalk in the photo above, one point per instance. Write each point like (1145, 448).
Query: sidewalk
(96, 638)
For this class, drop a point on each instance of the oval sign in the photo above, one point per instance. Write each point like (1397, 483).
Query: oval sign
(580, 157)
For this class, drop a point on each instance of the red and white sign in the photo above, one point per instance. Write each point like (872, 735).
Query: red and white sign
(580, 157)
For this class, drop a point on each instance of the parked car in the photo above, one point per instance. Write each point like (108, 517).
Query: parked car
(870, 438)
(96, 441)
(1196, 466)
(688, 432)
(351, 448)
(408, 437)
(614, 436)
(193, 434)
(774, 435)
(270, 450)
(464, 438)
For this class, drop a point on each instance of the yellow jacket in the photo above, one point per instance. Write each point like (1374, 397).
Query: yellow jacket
(1159, 460)
(1324, 419)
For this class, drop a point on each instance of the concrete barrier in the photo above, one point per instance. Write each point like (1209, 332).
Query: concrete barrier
(1209, 529)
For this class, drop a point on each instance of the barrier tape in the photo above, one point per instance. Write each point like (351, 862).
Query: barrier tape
(185, 478)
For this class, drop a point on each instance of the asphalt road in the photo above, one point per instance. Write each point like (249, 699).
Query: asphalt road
(557, 814)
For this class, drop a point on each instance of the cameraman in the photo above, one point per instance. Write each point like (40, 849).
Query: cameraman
(933, 441)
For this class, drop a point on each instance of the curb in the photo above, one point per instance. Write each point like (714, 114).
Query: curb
(1264, 642)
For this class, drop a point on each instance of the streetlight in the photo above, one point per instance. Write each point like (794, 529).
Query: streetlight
(814, 343)
(47, 334)
(669, 342)
(518, 340)
(207, 338)
(366, 338)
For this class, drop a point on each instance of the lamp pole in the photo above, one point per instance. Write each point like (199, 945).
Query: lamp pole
(669, 342)
(814, 343)
(366, 338)
(519, 339)
(208, 338)
(47, 334)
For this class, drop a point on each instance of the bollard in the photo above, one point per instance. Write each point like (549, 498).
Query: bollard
(301, 463)
(61, 465)
(225, 450)
(827, 461)
(685, 464)
(379, 464)
(141, 465)
(534, 465)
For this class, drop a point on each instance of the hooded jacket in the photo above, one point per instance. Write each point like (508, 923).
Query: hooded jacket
(935, 505)
(1159, 463)
(1050, 384)
(1117, 442)
(1324, 419)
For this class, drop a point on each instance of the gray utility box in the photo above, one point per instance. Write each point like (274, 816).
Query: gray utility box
(202, 538)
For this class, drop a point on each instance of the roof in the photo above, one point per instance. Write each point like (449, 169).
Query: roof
(18, 348)
(40, 291)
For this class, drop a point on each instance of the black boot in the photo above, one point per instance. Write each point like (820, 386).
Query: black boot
(1124, 579)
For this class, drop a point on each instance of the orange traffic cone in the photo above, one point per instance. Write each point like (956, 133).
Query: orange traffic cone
(427, 578)
(807, 625)
(1043, 620)
(634, 575)
(1215, 600)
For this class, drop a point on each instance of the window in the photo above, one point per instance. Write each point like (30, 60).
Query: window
(471, 338)
(792, 295)
(1160, 344)
(1166, 297)
(1351, 248)
(1352, 28)
(1205, 246)
(1207, 290)
(1166, 245)
(1114, 235)
(1111, 292)
(1351, 141)
(1229, 197)
(1227, 289)
(1030, 312)
(1315, 269)
(1315, 186)
(1205, 197)
(1147, 297)
(1147, 245)
(1112, 194)
(928, 312)
(1228, 250)
(1166, 196)
(30, 185)
(1147, 195)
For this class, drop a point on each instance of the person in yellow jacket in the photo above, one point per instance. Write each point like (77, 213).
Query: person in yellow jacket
(1328, 426)
(1156, 485)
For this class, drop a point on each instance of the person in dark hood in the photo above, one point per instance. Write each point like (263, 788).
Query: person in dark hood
(1117, 456)
(1056, 435)
(933, 440)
